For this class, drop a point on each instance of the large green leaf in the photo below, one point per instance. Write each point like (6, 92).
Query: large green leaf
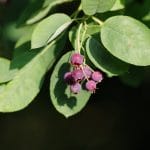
(14, 33)
(59, 31)
(26, 84)
(47, 2)
(2, 88)
(90, 7)
(127, 39)
(26, 37)
(119, 4)
(6, 74)
(47, 6)
(63, 100)
(103, 60)
(23, 45)
(23, 55)
(46, 28)
(31, 9)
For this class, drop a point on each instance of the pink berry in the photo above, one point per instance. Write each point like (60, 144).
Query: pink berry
(75, 88)
(91, 85)
(77, 59)
(87, 71)
(77, 74)
(97, 76)
(69, 79)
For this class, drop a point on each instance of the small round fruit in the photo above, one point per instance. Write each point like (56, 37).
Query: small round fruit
(77, 59)
(97, 76)
(75, 88)
(69, 79)
(78, 75)
(91, 85)
(87, 71)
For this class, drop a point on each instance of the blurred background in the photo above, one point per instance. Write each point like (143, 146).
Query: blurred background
(115, 118)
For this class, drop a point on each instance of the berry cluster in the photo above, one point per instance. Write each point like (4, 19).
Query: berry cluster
(80, 73)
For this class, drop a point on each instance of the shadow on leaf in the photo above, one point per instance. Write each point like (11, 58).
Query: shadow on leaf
(62, 91)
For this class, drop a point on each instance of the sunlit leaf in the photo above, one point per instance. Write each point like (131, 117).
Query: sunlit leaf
(90, 7)
(20, 92)
(46, 28)
(119, 4)
(47, 6)
(6, 74)
(128, 39)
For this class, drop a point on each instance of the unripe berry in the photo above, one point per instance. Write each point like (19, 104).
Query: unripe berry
(87, 71)
(77, 59)
(97, 76)
(77, 74)
(69, 79)
(75, 88)
(90, 85)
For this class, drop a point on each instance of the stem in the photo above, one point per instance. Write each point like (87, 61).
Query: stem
(84, 73)
(83, 35)
(90, 68)
(84, 54)
(78, 37)
(97, 20)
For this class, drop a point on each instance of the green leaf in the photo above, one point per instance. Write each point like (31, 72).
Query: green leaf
(63, 100)
(27, 83)
(55, 2)
(2, 88)
(23, 45)
(21, 49)
(146, 17)
(119, 4)
(43, 12)
(103, 60)
(127, 39)
(23, 56)
(90, 7)
(6, 74)
(26, 37)
(31, 9)
(47, 2)
(59, 31)
(73, 34)
(14, 33)
(46, 28)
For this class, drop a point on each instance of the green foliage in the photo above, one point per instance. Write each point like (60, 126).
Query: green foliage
(47, 6)
(46, 28)
(2, 87)
(103, 60)
(90, 30)
(127, 39)
(119, 4)
(113, 36)
(26, 84)
(97, 6)
(6, 74)
(63, 100)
